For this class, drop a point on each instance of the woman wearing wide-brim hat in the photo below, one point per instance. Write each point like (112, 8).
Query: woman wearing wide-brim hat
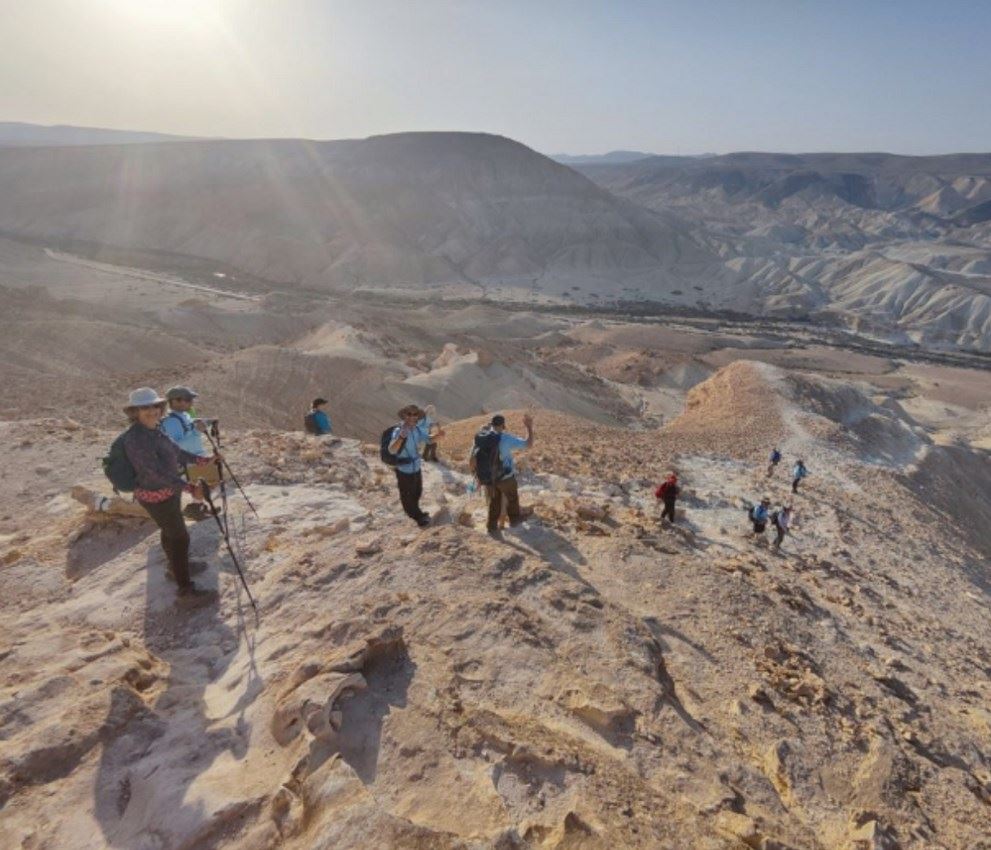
(156, 461)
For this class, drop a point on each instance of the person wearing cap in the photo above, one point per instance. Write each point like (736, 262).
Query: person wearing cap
(759, 515)
(185, 431)
(504, 487)
(156, 461)
(668, 493)
(412, 432)
(179, 425)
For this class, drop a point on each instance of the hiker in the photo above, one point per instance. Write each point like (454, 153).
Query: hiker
(773, 462)
(797, 474)
(404, 444)
(156, 461)
(317, 421)
(185, 431)
(179, 425)
(493, 465)
(430, 450)
(759, 515)
(781, 520)
(668, 492)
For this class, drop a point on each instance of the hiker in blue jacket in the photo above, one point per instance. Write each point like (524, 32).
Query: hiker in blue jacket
(317, 421)
(773, 462)
(500, 470)
(759, 515)
(179, 425)
(186, 432)
(408, 438)
(797, 474)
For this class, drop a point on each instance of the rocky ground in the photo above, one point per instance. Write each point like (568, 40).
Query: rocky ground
(595, 679)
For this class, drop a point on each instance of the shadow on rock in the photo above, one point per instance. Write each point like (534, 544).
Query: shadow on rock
(103, 542)
(157, 743)
(389, 674)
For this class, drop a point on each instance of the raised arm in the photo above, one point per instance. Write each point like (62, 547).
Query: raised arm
(528, 424)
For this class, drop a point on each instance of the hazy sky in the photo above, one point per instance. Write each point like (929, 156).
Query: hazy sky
(668, 76)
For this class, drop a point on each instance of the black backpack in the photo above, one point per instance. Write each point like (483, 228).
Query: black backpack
(488, 465)
(310, 423)
(118, 468)
(388, 458)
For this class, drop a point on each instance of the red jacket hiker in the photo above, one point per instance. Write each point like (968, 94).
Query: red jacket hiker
(668, 491)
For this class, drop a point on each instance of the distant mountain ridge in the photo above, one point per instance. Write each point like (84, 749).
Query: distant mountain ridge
(893, 247)
(404, 210)
(611, 158)
(15, 133)
(873, 180)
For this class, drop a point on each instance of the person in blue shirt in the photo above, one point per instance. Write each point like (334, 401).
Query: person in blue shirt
(797, 474)
(408, 439)
(321, 421)
(186, 432)
(179, 426)
(759, 515)
(504, 487)
(773, 462)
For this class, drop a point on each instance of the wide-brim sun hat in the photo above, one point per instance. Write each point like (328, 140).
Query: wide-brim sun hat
(410, 408)
(143, 397)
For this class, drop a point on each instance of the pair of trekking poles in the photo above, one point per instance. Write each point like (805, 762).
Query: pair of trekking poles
(213, 435)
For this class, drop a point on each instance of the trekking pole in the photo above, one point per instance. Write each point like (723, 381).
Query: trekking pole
(216, 449)
(215, 431)
(223, 532)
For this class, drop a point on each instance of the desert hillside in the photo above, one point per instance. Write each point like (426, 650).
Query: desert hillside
(886, 247)
(891, 246)
(595, 679)
(408, 210)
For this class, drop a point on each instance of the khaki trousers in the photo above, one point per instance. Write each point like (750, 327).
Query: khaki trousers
(505, 491)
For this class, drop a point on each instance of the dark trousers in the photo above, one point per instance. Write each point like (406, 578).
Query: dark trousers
(507, 490)
(779, 535)
(410, 490)
(668, 509)
(794, 485)
(175, 538)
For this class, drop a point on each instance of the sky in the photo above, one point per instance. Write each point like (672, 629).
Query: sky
(669, 76)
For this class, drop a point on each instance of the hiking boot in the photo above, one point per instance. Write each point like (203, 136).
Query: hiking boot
(196, 511)
(423, 521)
(192, 596)
(196, 568)
(494, 533)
